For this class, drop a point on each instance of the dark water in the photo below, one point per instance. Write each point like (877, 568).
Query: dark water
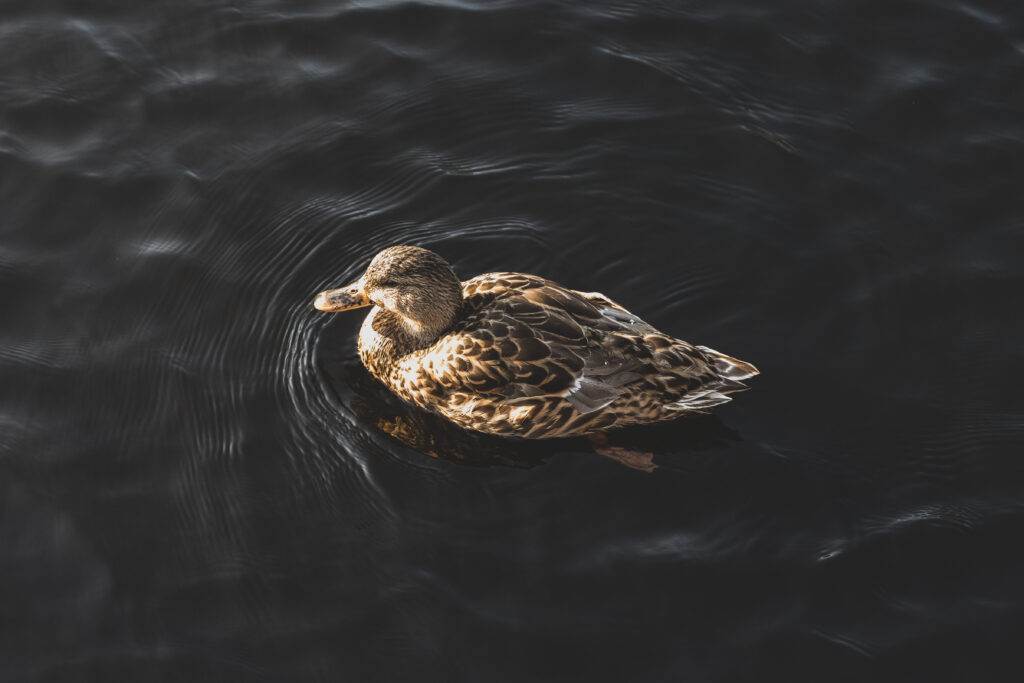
(199, 482)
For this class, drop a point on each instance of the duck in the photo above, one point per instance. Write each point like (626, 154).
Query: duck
(517, 355)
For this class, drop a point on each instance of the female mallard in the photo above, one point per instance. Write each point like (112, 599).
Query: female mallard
(517, 355)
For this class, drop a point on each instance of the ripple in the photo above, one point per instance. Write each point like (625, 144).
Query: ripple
(861, 646)
(225, 491)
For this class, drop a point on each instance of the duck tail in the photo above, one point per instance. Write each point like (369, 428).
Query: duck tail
(728, 367)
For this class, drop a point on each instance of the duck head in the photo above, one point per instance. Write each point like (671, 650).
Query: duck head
(416, 286)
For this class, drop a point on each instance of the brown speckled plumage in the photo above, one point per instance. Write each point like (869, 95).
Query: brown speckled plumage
(522, 356)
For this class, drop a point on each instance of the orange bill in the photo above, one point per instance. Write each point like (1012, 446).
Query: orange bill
(343, 299)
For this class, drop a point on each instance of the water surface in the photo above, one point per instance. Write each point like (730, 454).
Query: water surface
(199, 482)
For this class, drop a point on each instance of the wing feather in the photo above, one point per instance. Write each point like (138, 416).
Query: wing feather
(523, 341)
(526, 337)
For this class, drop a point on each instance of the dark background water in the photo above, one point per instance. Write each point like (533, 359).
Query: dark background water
(198, 481)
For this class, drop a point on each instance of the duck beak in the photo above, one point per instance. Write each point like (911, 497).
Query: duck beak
(344, 299)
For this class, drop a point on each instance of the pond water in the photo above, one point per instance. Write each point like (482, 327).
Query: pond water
(200, 482)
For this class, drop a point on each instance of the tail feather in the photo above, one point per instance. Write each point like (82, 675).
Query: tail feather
(728, 367)
(699, 401)
(729, 370)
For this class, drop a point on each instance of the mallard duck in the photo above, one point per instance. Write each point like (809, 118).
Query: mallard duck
(517, 355)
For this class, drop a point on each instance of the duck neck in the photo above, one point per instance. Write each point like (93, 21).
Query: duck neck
(417, 334)
(386, 336)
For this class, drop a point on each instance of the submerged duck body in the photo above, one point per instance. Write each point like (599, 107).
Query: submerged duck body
(517, 355)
